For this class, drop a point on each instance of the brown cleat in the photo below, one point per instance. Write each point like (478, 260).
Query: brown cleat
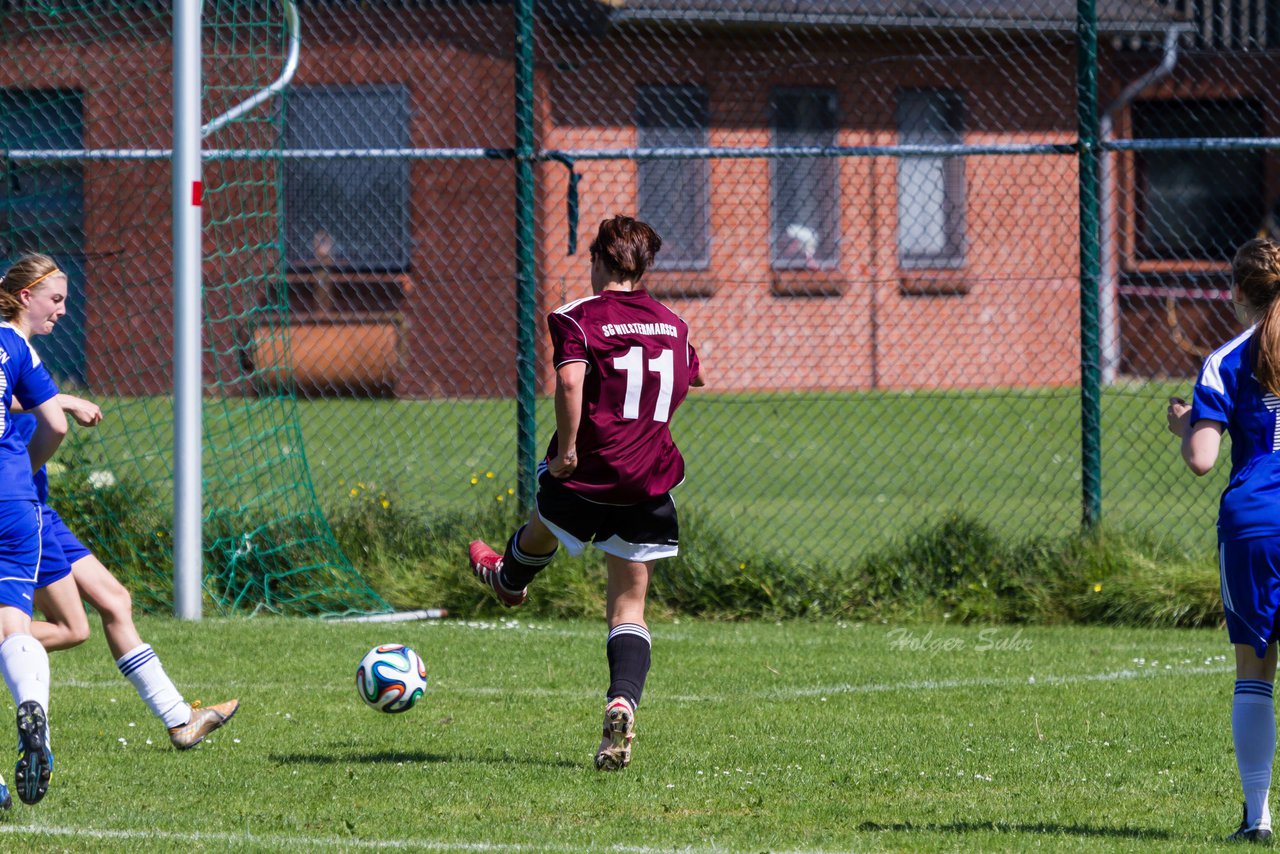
(203, 721)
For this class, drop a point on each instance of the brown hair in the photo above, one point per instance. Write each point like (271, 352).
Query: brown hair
(27, 272)
(1256, 271)
(626, 246)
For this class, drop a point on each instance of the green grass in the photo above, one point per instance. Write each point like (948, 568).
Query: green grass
(761, 736)
(838, 473)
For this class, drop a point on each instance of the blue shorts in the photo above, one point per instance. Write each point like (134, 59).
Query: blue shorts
(1249, 575)
(59, 548)
(19, 552)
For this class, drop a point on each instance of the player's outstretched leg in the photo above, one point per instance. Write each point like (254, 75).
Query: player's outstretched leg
(204, 720)
(35, 759)
(486, 565)
(619, 730)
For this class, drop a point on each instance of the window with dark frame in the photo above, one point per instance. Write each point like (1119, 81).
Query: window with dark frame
(674, 196)
(42, 207)
(41, 202)
(347, 213)
(1196, 205)
(931, 193)
(805, 197)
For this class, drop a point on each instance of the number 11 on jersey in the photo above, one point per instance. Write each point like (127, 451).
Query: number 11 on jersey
(632, 364)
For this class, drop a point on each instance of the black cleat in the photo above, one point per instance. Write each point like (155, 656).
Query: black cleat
(1245, 833)
(35, 759)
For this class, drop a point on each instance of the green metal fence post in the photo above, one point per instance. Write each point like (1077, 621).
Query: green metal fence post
(1087, 125)
(526, 425)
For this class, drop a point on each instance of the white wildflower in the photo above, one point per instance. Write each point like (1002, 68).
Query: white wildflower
(101, 478)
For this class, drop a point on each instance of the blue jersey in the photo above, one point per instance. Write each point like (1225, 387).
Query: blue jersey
(1228, 392)
(25, 424)
(26, 379)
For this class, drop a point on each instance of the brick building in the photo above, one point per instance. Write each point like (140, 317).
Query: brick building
(849, 273)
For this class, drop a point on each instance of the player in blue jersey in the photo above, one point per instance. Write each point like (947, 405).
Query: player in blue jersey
(69, 572)
(33, 294)
(1239, 391)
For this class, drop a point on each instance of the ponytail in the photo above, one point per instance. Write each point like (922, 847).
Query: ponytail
(1266, 349)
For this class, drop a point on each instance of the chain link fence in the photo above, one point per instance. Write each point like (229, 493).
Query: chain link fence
(871, 215)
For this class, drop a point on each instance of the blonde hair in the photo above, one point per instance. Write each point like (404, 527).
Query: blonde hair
(1256, 272)
(24, 274)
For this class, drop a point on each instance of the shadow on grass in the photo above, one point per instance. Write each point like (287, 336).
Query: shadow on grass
(997, 827)
(383, 756)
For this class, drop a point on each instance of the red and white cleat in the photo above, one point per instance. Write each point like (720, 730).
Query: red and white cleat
(486, 565)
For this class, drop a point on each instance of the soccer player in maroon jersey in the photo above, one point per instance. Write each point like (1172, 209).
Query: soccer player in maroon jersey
(623, 365)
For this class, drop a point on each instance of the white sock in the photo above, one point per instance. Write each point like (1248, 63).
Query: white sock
(142, 667)
(1253, 728)
(26, 670)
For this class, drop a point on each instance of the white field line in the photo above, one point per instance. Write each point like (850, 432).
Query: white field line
(1030, 681)
(344, 843)
(916, 685)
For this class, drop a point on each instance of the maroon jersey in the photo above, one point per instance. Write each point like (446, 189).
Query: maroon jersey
(639, 366)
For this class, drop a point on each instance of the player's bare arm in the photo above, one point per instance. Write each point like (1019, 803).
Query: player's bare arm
(569, 378)
(1200, 441)
(85, 412)
(52, 426)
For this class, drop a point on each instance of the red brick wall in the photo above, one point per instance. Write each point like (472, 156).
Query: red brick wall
(1008, 317)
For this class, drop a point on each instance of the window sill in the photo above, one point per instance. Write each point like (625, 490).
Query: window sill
(324, 293)
(933, 283)
(1161, 266)
(808, 283)
(680, 284)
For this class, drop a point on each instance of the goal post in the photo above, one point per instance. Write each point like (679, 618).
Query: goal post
(195, 490)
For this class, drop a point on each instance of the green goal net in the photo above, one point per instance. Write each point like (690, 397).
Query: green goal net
(85, 113)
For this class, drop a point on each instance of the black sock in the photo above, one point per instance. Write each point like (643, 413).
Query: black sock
(518, 568)
(628, 650)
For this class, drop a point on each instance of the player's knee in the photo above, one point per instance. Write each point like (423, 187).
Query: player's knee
(76, 633)
(65, 634)
(117, 603)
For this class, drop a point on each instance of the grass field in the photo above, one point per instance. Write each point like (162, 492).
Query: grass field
(752, 737)
(839, 472)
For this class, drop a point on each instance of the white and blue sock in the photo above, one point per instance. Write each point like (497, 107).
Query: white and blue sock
(1253, 728)
(142, 667)
(25, 665)
(628, 649)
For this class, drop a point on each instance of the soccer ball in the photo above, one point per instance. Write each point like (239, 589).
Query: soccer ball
(391, 678)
